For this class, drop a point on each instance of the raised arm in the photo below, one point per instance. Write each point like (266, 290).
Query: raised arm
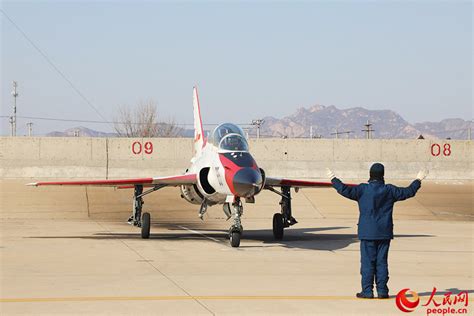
(348, 191)
(400, 194)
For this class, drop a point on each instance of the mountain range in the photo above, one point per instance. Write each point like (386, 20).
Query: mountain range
(80, 131)
(324, 121)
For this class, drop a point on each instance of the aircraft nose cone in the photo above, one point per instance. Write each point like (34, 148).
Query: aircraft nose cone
(247, 182)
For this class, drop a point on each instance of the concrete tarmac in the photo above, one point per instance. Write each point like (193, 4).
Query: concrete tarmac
(436, 200)
(74, 257)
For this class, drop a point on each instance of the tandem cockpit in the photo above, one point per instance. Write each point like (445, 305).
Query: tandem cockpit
(229, 137)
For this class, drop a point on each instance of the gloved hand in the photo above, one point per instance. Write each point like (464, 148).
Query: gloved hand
(422, 174)
(330, 174)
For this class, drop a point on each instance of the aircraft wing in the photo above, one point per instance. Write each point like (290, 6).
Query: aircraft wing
(169, 181)
(280, 182)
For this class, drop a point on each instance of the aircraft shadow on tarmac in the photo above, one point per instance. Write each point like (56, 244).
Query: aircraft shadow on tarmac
(453, 291)
(295, 238)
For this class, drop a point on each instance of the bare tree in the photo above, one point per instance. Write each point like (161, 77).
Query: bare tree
(169, 129)
(142, 121)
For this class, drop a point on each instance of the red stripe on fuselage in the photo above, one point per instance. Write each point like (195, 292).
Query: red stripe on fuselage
(230, 169)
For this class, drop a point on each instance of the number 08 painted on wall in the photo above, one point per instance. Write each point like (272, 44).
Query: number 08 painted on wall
(437, 150)
(138, 148)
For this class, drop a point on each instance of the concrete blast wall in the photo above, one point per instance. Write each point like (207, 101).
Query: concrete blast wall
(41, 157)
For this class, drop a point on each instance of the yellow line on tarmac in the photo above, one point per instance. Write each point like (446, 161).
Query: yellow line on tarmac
(172, 298)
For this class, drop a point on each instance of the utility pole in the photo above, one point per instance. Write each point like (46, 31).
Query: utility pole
(30, 128)
(368, 129)
(11, 125)
(258, 123)
(13, 117)
(311, 132)
(337, 133)
(469, 130)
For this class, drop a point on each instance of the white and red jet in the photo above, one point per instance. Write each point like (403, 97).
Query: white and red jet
(222, 171)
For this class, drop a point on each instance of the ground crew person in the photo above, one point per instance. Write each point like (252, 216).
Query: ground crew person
(375, 227)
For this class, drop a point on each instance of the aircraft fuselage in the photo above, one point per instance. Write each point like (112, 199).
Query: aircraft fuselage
(223, 173)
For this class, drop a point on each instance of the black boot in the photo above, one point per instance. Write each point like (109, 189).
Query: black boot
(362, 295)
(383, 296)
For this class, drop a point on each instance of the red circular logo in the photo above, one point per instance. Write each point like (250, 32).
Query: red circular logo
(404, 304)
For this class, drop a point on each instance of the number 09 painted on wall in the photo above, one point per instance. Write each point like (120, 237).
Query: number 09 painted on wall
(437, 150)
(138, 148)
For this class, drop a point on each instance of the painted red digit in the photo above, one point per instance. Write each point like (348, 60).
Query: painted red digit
(148, 148)
(136, 147)
(447, 149)
(437, 151)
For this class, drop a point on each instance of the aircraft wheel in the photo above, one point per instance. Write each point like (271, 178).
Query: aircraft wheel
(146, 225)
(234, 238)
(278, 227)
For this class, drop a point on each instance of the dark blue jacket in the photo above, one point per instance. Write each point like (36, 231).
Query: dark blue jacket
(376, 201)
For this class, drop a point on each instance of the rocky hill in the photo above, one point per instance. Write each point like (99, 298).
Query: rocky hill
(81, 132)
(326, 120)
(448, 128)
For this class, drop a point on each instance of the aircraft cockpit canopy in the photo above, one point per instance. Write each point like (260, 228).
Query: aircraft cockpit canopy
(228, 136)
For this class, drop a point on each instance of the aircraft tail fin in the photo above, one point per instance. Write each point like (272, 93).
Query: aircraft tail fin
(199, 138)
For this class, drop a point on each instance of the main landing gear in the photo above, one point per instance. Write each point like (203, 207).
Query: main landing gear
(235, 231)
(145, 225)
(284, 218)
(138, 219)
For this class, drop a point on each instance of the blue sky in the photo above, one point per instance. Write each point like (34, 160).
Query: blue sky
(249, 59)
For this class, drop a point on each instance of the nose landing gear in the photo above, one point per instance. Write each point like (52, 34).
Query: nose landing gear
(235, 231)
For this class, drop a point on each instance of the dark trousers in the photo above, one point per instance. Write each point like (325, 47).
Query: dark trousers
(374, 265)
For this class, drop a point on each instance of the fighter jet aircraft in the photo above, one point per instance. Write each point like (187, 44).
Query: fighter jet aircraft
(222, 171)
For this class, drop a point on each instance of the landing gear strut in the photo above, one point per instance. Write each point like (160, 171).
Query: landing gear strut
(235, 231)
(138, 219)
(135, 219)
(284, 218)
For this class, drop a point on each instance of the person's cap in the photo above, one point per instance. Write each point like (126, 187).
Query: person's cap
(377, 171)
